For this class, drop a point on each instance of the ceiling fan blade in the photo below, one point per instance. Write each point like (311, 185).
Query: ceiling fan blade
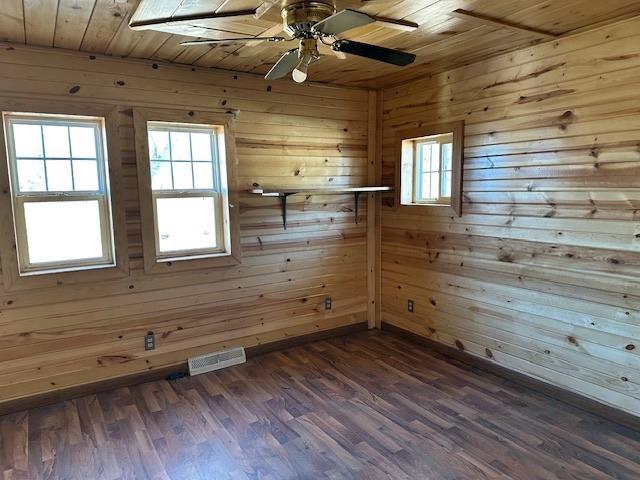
(209, 41)
(192, 17)
(325, 49)
(339, 55)
(265, 7)
(382, 54)
(343, 21)
(284, 66)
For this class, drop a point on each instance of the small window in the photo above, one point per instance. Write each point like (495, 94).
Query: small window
(187, 189)
(59, 185)
(430, 169)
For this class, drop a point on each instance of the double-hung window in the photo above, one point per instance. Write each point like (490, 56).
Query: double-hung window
(60, 192)
(187, 178)
(186, 185)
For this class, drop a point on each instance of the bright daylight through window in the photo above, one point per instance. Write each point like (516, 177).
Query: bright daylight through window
(188, 188)
(60, 192)
(430, 166)
(427, 170)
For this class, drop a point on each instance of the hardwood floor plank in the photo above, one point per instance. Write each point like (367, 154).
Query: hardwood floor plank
(367, 405)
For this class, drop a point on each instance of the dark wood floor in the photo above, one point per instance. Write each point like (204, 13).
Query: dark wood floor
(366, 406)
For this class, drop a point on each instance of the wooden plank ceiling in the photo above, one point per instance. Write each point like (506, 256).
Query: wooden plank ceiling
(444, 40)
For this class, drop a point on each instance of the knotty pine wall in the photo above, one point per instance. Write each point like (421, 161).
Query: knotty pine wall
(308, 135)
(541, 274)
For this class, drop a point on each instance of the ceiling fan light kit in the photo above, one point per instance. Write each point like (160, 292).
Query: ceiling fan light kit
(307, 54)
(308, 22)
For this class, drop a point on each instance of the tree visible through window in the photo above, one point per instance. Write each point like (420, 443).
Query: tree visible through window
(186, 188)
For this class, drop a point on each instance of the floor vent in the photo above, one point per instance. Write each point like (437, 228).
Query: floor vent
(216, 361)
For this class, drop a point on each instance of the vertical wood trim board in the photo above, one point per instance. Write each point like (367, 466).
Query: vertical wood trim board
(541, 273)
(58, 336)
(372, 215)
(378, 210)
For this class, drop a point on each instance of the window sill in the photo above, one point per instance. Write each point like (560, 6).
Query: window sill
(425, 204)
(200, 262)
(52, 271)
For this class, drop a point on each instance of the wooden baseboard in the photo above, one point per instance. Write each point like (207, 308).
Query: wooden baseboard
(48, 398)
(585, 403)
(301, 340)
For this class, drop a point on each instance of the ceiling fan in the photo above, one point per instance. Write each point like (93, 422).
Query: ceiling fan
(313, 24)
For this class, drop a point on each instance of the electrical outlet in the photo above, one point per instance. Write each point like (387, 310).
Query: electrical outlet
(150, 341)
(410, 305)
(327, 303)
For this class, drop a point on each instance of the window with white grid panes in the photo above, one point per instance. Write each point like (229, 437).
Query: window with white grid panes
(185, 167)
(60, 192)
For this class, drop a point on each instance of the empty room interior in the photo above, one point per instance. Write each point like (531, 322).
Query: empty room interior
(294, 239)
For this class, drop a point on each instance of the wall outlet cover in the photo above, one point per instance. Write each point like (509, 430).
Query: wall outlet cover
(150, 341)
(327, 303)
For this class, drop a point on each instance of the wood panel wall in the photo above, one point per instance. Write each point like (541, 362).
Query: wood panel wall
(287, 134)
(541, 273)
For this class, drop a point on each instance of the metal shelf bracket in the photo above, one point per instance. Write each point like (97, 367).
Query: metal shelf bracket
(285, 193)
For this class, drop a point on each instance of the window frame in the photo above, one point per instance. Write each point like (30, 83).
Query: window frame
(154, 261)
(20, 198)
(406, 145)
(215, 192)
(118, 268)
(417, 172)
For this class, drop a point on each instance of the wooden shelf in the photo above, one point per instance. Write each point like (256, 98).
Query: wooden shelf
(281, 192)
(284, 193)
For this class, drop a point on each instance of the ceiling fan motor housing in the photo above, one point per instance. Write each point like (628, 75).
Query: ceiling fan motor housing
(299, 18)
